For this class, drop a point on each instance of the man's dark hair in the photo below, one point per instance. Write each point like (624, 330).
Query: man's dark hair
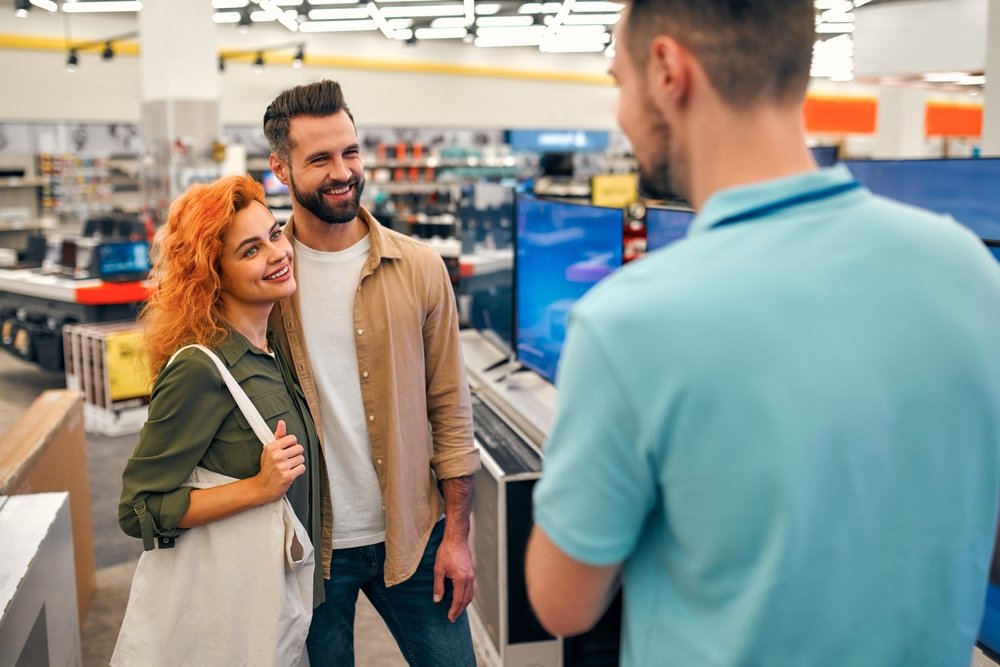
(323, 98)
(751, 50)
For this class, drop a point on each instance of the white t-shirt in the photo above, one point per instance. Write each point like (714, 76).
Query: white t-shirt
(328, 284)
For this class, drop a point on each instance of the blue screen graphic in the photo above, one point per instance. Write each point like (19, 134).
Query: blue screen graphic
(127, 259)
(966, 189)
(666, 225)
(563, 250)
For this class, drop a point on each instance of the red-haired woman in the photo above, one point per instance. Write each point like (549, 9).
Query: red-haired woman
(221, 264)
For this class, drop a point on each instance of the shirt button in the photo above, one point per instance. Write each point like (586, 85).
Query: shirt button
(365, 374)
(371, 418)
(360, 331)
(378, 461)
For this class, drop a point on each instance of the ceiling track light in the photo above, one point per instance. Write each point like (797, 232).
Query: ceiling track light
(243, 26)
(72, 61)
(258, 63)
(222, 63)
(300, 56)
(21, 8)
(108, 53)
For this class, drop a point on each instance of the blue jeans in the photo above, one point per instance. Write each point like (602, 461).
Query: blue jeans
(420, 626)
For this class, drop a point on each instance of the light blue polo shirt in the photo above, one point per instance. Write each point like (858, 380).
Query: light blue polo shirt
(787, 427)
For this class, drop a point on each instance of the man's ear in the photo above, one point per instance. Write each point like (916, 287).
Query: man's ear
(669, 70)
(279, 168)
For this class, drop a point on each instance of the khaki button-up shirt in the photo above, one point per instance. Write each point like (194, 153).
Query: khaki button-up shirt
(413, 386)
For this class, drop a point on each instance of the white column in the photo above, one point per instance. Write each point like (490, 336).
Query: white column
(180, 96)
(991, 100)
(900, 123)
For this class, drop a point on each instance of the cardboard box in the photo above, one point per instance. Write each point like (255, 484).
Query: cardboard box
(46, 450)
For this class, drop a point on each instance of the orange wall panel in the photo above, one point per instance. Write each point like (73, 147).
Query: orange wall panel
(840, 115)
(953, 120)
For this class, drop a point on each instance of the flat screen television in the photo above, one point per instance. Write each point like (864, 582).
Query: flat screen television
(562, 249)
(965, 188)
(272, 186)
(666, 225)
(123, 261)
(826, 156)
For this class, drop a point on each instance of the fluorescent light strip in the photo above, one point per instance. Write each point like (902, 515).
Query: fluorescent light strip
(229, 4)
(505, 21)
(419, 11)
(833, 16)
(470, 12)
(592, 19)
(834, 28)
(441, 33)
(317, 3)
(226, 17)
(448, 22)
(285, 19)
(287, 3)
(976, 80)
(498, 37)
(338, 26)
(557, 20)
(339, 13)
(539, 8)
(402, 35)
(101, 7)
(597, 7)
(260, 16)
(47, 5)
(487, 8)
(379, 18)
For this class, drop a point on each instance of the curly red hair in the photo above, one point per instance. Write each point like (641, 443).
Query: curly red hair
(185, 306)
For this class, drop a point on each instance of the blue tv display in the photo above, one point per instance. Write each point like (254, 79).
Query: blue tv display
(562, 250)
(666, 225)
(825, 156)
(966, 189)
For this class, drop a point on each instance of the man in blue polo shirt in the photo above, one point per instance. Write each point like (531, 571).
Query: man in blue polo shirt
(781, 433)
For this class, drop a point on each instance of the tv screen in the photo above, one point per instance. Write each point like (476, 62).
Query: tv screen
(128, 260)
(964, 188)
(666, 225)
(825, 156)
(272, 186)
(562, 250)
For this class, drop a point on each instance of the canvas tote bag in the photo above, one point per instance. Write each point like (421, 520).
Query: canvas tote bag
(237, 591)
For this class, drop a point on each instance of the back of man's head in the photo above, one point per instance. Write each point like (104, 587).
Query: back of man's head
(751, 50)
(319, 99)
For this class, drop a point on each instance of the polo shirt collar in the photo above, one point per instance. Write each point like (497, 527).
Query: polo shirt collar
(730, 202)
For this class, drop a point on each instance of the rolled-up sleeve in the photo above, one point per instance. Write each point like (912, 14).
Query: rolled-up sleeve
(186, 408)
(449, 407)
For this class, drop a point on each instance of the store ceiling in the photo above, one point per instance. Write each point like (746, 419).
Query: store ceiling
(567, 26)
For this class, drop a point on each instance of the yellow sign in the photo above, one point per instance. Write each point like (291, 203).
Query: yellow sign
(127, 366)
(613, 190)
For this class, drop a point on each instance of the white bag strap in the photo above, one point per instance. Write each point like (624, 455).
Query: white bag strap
(257, 423)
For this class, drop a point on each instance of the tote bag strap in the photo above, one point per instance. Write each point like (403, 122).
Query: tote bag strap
(257, 423)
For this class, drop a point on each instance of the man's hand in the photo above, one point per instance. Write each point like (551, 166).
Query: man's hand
(454, 561)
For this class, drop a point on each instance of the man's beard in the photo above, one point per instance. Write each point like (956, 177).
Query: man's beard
(660, 179)
(337, 214)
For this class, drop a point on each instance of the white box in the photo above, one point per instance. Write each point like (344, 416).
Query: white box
(39, 624)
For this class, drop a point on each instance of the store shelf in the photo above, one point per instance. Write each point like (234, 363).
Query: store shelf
(403, 188)
(17, 182)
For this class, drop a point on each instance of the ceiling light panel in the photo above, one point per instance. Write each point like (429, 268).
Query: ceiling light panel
(421, 11)
(46, 5)
(338, 13)
(448, 22)
(504, 21)
(226, 17)
(229, 4)
(539, 8)
(440, 33)
(596, 7)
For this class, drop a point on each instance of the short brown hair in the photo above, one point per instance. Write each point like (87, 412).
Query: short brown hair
(750, 49)
(323, 98)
